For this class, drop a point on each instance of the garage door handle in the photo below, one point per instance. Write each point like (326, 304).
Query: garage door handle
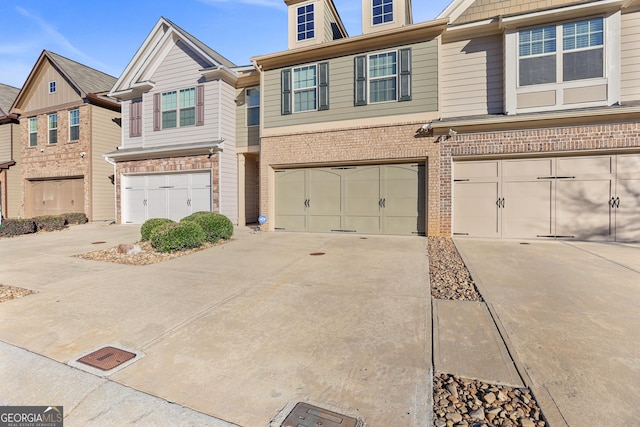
(614, 202)
(500, 202)
(384, 203)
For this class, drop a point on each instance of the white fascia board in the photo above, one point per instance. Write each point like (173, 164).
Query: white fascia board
(559, 14)
(455, 9)
(199, 148)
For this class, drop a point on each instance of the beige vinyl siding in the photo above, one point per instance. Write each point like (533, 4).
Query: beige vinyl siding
(424, 91)
(630, 57)
(471, 81)
(178, 70)
(13, 183)
(246, 136)
(105, 138)
(228, 160)
(40, 98)
(328, 18)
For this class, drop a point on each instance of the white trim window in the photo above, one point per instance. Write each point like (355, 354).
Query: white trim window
(53, 87)
(305, 89)
(580, 55)
(305, 22)
(383, 77)
(53, 128)
(74, 125)
(253, 106)
(382, 12)
(33, 131)
(179, 108)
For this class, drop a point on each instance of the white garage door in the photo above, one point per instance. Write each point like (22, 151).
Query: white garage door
(172, 196)
(585, 198)
(372, 199)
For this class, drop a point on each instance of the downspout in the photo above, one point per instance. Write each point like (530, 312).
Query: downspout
(220, 183)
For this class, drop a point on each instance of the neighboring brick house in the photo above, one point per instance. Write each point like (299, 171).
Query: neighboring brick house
(66, 125)
(9, 154)
(181, 152)
(339, 148)
(539, 129)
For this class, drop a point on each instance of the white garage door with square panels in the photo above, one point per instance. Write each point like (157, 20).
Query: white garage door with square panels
(581, 198)
(172, 196)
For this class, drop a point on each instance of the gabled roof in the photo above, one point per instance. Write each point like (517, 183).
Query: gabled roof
(8, 94)
(84, 79)
(137, 74)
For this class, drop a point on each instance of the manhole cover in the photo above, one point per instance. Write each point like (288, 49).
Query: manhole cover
(98, 243)
(107, 358)
(305, 415)
(316, 253)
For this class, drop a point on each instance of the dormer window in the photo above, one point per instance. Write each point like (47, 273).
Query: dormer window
(305, 22)
(52, 87)
(382, 11)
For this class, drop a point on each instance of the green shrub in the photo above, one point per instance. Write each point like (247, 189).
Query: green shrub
(49, 222)
(216, 226)
(151, 225)
(177, 237)
(75, 218)
(16, 227)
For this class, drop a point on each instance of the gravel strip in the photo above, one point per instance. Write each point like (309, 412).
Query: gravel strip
(8, 293)
(449, 277)
(460, 402)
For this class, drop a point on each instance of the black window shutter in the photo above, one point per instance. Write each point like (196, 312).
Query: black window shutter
(360, 84)
(405, 75)
(323, 86)
(285, 78)
(200, 105)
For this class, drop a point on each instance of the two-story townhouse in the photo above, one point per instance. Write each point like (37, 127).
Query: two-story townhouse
(179, 154)
(9, 154)
(339, 148)
(66, 124)
(539, 128)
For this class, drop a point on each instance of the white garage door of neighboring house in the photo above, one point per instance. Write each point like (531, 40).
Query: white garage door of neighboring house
(54, 196)
(374, 199)
(172, 196)
(585, 198)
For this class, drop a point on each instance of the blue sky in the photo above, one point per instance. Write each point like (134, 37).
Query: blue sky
(105, 34)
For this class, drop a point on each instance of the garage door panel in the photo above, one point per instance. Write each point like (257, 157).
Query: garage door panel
(134, 204)
(362, 192)
(157, 203)
(201, 199)
(484, 169)
(527, 209)
(475, 210)
(628, 211)
(324, 223)
(527, 167)
(290, 200)
(572, 166)
(324, 192)
(363, 224)
(403, 200)
(582, 209)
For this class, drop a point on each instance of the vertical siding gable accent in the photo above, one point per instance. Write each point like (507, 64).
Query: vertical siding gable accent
(323, 86)
(156, 112)
(200, 105)
(285, 78)
(405, 75)
(360, 84)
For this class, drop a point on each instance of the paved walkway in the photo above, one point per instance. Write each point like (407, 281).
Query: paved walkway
(237, 332)
(569, 312)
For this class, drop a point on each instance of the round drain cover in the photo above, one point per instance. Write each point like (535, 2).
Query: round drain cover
(316, 253)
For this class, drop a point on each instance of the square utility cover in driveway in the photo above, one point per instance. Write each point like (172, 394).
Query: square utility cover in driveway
(305, 415)
(106, 360)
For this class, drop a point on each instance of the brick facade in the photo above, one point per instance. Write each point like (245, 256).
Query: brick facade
(171, 165)
(361, 145)
(59, 160)
(569, 140)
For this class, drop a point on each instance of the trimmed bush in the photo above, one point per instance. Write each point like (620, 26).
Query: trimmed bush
(177, 237)
(16, 227)
(216, 226)
(49, 222)
(75, 218)
(151, 225)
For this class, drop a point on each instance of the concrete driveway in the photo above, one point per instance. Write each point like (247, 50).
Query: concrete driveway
(570, 311)
(239, 331)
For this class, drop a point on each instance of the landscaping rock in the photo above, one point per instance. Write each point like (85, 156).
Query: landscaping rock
(448, 275)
